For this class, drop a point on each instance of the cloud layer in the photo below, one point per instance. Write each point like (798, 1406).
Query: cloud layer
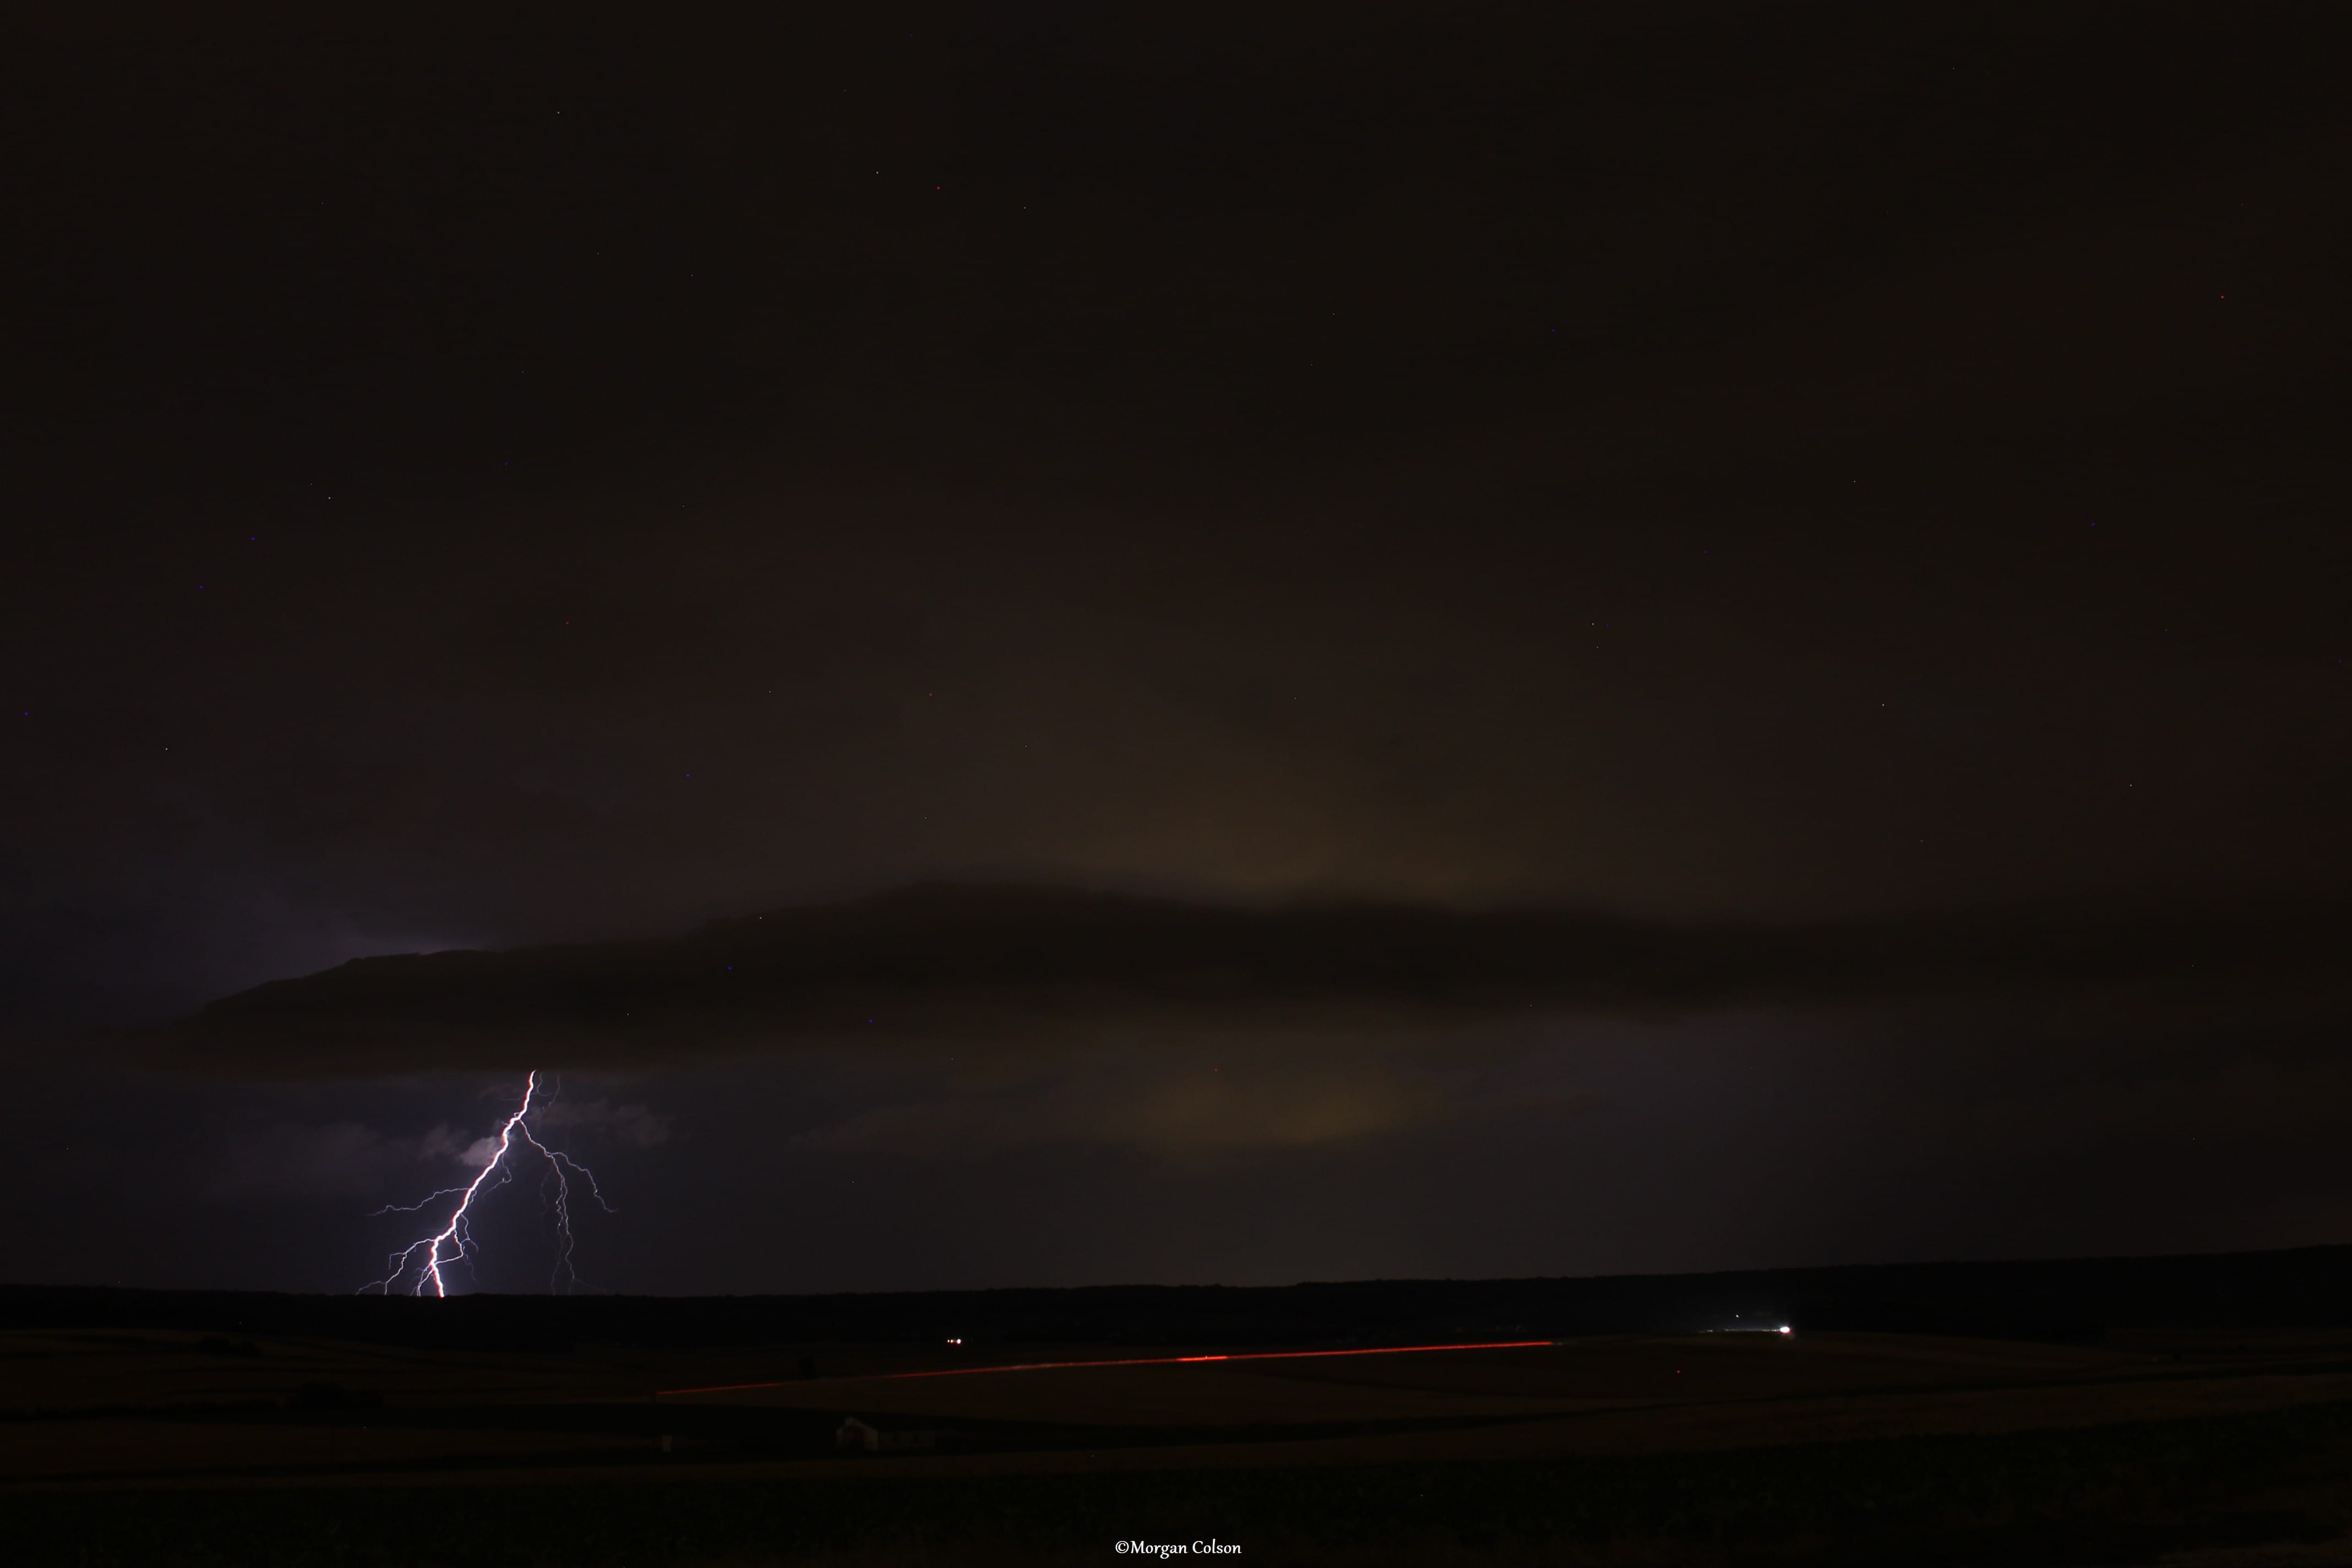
(1013, 969)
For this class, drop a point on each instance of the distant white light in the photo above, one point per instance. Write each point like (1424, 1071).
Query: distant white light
(959, 1342)
(1784, 1328)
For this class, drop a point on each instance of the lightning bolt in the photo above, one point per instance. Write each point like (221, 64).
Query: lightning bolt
(453, 1242)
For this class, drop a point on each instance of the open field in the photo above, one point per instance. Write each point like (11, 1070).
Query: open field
(156, 1445)
(159, 1408)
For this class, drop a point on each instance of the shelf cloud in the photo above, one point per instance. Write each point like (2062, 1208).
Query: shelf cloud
(1015, 968)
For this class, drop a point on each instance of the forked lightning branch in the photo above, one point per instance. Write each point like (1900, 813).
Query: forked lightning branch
(422, 1266)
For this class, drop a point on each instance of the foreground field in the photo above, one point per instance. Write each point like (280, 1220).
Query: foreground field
(152, 1447)
(158, 1408)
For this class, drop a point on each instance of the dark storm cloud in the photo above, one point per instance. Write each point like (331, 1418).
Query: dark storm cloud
(498, 477)
(1708, 486)
(516, 476)
(1017, 968)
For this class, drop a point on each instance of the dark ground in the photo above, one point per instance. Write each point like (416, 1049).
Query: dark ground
(2184, 1410)
(2126, 1494)
(2046, 1299)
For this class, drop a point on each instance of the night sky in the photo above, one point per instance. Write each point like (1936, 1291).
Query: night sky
(1494, 640)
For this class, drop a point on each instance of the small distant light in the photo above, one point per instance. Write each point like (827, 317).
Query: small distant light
(1784, 1328)
(955, 1342)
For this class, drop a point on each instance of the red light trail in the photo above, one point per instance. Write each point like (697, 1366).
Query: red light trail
(1129, 1360)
